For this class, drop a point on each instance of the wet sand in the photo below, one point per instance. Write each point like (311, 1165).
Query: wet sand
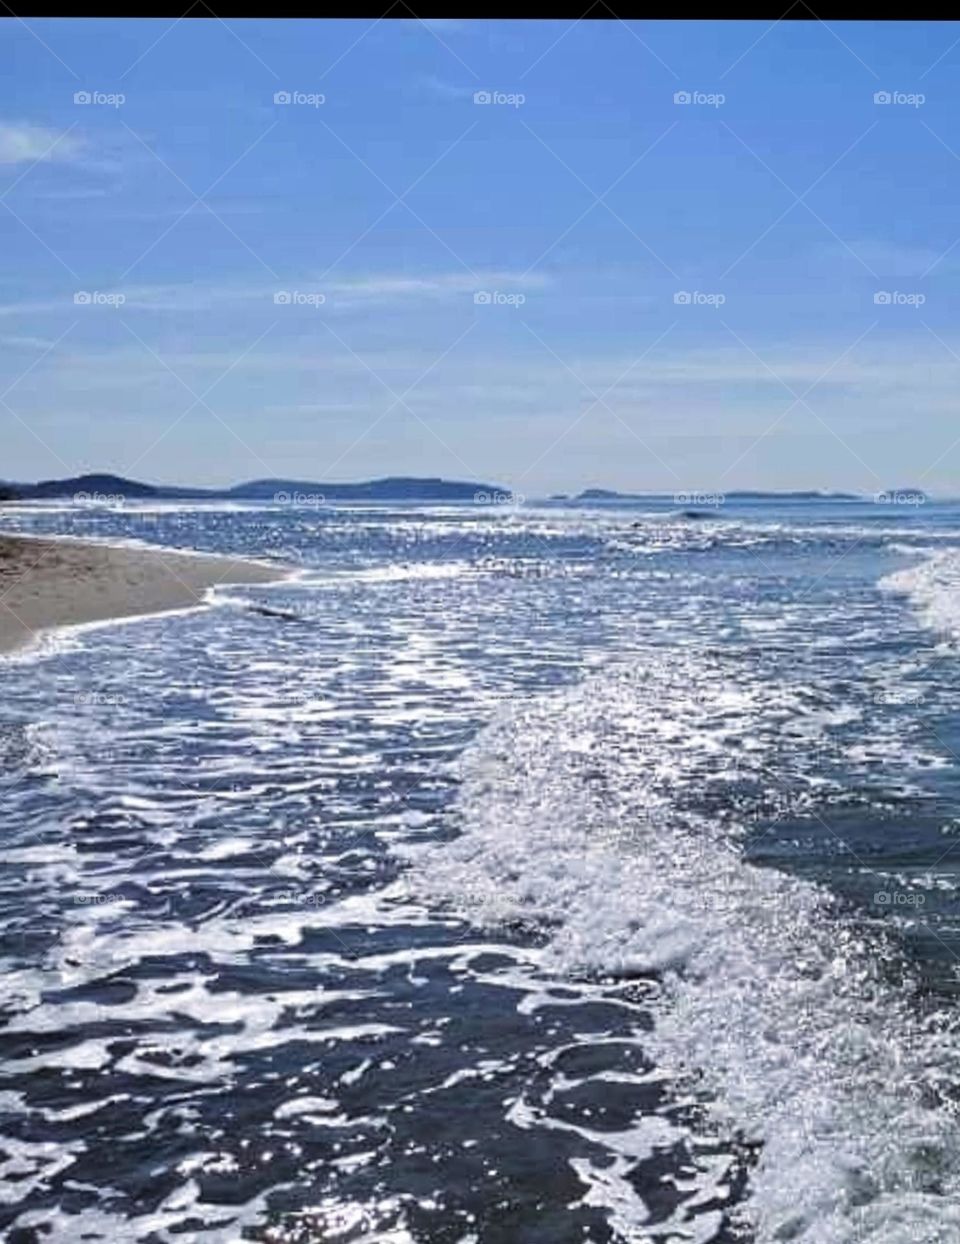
(50, 583)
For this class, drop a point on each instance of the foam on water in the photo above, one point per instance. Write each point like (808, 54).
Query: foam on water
(229, 1013)
(772, 1001)
(933, 587)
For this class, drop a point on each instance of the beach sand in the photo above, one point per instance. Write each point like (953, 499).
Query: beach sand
(50, 583)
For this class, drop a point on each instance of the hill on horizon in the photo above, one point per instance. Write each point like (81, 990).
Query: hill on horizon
(389, 488)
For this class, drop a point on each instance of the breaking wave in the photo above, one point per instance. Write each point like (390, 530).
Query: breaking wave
(777, 1005)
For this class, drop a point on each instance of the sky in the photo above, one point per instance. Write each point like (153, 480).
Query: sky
(548, 255)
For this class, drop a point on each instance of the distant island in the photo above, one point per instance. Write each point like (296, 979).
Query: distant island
(106, 487)
(607, 496)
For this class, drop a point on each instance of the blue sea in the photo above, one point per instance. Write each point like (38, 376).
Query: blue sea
(518, 875)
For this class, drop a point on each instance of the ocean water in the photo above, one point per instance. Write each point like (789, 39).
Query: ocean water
(518, 876)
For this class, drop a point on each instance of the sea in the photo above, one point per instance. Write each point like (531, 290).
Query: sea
(510, 874)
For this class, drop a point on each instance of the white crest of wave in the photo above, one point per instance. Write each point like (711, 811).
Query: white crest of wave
(573, 822)
(933, 587)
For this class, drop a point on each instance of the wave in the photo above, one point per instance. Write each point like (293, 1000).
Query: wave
(933, 587)
(580, 824)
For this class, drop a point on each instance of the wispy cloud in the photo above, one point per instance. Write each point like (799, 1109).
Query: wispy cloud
(447, 90)
(432, 286)
(23, 143)
(381, 288)
(892, 259)
(14, 342)
(72, 194)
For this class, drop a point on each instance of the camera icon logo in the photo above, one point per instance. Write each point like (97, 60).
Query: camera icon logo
(681, 298)
(881, 298)
(281, 298)
(881, 97)
(481, 97)
(281, 97)
(81, 298)
(681, 97)
(482, 298)
(81, 97)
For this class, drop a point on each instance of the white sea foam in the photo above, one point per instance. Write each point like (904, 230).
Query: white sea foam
(772, 1000)
(933, 587)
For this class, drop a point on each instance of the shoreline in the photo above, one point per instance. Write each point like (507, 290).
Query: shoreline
(49, 582)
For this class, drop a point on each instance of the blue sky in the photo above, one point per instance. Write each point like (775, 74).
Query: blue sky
(673, 295)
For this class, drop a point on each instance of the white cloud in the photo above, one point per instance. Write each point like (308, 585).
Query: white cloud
(373, 288)
(74, 194)
(29, 343)
(377, 287)
(23, 143)
(892, 259)
(431, 286)
(447, 90)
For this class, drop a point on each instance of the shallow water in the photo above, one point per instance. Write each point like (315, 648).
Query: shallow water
(549, 875)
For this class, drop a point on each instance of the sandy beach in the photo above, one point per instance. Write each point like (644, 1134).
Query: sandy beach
(50, 583)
